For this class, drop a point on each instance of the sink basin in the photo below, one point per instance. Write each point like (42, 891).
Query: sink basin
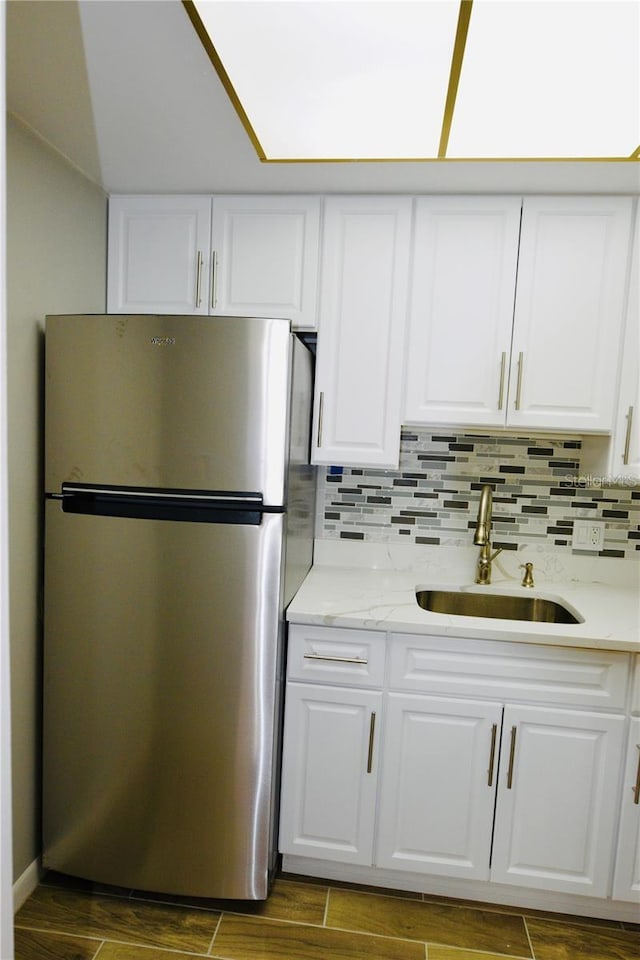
(499, 606)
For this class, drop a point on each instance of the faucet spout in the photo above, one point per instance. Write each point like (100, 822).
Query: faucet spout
(482, 536)
(483, 525)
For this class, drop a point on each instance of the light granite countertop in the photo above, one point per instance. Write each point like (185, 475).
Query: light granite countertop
(373, 586)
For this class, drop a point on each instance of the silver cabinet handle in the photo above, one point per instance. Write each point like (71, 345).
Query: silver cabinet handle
(214, 279)
(372, 730)
(320, 416)
(627, 439)
(198, 279)
(636, 789)
(503, 364)
(492, 754)
(519, 386)
(319, 656)
(512, 754)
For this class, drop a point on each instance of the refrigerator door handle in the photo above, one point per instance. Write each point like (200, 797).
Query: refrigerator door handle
(148, 504)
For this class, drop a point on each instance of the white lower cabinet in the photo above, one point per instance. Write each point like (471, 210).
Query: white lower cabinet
(626, 883)
(329, 773)
(437, 795)
(556, 811)
(440, 771)
(554, 793)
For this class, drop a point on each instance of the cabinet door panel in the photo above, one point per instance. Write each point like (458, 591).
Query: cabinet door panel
(158, 254)
(438, 786)
(569, 310)
(329, 773)
(266, 257)
(626, 884)
(362, 326)
(557, 800)
(462, 291)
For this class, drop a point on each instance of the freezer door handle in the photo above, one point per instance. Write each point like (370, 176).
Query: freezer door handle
(148, 504)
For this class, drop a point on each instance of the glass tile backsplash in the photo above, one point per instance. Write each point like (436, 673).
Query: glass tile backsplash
(433, 498)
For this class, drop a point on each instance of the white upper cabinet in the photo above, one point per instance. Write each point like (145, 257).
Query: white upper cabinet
(625, 447)
(569, 311)
(158, 254)
(238, 256)
(363, 304)
(265, 257)
(517, 333)
(464, 272)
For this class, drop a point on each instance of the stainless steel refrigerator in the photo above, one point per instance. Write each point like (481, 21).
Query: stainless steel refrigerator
(178, 525)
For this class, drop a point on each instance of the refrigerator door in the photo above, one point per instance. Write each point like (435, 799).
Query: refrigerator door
(161, 701)
(168, 402)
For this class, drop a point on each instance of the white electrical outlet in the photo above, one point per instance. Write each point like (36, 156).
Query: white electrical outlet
(588, 535)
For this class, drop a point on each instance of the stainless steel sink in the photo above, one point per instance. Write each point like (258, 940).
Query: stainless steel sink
(499, 606)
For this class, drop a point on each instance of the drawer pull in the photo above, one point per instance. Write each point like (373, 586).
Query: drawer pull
(319, 656)
(636, 791)
(492, 753)
(372, 730)
(512, 754)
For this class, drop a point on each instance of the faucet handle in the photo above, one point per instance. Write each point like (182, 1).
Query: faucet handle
(527, 576)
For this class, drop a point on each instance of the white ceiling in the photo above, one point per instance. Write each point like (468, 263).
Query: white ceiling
(125, 90)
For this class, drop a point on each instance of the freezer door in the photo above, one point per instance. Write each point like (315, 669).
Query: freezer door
(162, 680)
(168, 402)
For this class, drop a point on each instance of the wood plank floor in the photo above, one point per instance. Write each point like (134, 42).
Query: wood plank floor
(302, 920)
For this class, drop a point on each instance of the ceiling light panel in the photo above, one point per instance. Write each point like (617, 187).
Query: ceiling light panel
(549, 79)
(337, 79)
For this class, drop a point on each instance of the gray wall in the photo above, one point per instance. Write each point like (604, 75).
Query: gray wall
(56, 263)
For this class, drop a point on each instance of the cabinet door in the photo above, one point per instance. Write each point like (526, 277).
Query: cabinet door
(158, 255)
(569, 309)
(329, 773)
(557, 799)
(626, 882)
(365, 262)
(625, 460)
(438, 785)
(265, 257)
(462, 289)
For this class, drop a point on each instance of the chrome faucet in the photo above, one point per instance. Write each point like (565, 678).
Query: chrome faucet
(482, 536)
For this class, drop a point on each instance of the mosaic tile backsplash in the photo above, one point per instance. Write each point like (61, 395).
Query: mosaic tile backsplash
(433, 497)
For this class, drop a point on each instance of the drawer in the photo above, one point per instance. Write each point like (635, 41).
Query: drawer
(509, 671)
(336, 655)
(635, 693)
